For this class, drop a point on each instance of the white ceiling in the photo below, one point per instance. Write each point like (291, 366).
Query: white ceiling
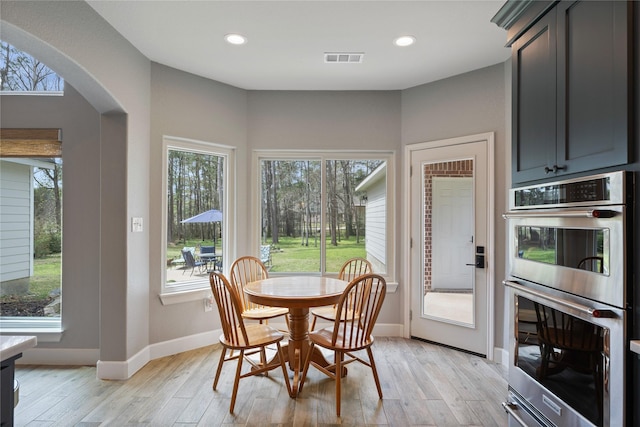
(287, 40)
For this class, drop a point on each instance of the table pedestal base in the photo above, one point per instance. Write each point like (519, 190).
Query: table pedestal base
(298, 347)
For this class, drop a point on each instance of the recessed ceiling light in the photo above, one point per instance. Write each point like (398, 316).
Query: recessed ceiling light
(235, 39)
(404, 41)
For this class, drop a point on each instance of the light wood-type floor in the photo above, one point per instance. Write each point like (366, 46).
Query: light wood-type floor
(423, 384)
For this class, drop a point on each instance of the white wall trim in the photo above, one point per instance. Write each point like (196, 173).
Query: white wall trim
(122, 370)
(125, 369)
(179, 345)
(59, 356)
(501, 356)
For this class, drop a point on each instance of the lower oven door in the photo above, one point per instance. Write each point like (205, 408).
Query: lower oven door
(568, 357)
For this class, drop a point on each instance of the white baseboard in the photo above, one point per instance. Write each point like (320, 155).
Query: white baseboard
(122, 370)
(60, 356)
(500, 355)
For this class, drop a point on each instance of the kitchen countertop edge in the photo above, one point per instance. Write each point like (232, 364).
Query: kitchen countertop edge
(12, 345)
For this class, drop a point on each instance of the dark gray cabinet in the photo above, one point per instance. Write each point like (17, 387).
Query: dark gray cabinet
(534, 101)
(572, 90)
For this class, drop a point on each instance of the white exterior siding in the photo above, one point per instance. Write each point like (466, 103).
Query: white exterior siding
(376, 224)
(15, 221)
(375, 188)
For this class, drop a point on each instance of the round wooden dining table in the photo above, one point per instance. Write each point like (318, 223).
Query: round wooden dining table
(298, 294)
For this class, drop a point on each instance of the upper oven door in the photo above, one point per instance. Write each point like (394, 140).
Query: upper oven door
(580, 251)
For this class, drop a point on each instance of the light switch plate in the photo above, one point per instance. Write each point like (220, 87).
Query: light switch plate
(136, 225)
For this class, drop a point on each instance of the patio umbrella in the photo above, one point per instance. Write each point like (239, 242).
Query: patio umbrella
(212, 215)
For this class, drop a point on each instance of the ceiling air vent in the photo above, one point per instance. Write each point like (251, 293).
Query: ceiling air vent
(343, 57)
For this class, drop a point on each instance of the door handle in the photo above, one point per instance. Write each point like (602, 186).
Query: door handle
(479, 262)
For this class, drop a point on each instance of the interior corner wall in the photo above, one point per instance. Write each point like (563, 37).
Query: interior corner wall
(113, 223)
(467, 104)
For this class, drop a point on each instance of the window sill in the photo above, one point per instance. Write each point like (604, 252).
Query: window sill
(188, 295)
(45, 329)
(33, 92)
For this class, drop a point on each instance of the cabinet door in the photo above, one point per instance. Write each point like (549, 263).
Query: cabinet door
(593, 84)
(534, 101)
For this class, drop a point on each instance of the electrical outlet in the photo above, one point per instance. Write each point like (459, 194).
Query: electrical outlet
(208, 303)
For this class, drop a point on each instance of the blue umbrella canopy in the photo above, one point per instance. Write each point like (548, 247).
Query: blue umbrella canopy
(212, 215)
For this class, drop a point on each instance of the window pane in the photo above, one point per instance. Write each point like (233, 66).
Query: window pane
(292, 220)
(21, 72)
(195, 191)
(31, 241)
(291, 214)
(356, 210)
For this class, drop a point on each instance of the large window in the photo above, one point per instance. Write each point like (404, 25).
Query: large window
(31, 241)
(196, 210)
(318, 210)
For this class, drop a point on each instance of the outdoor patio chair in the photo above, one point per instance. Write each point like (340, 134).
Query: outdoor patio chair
(265, 255)
(190, 262)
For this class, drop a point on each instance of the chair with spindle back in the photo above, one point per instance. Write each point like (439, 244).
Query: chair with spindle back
(351, 330)
(247, 339)
(351, 269)
(249, 269)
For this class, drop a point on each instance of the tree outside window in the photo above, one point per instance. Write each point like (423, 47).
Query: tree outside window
(21, 72)
(313, 218)
(31, 194)
(195, 186)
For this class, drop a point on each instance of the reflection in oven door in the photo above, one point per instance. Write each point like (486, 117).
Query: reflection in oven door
(565, 364)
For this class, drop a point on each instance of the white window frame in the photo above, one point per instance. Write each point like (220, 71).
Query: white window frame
(46, 329)
(323, 155)
(173, 293)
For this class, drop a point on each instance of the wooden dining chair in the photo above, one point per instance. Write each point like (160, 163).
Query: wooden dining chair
(247, 339)
(351, 331)
(248, 269)
(351, 269)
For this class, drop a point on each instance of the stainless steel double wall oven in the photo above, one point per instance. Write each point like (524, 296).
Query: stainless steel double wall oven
(568, 289)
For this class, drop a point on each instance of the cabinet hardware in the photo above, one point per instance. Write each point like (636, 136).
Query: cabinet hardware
(554, 169)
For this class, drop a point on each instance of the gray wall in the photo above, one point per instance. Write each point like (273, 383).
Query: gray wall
(467, 104)
(115, 166)
(330, 121)
(80, 124)
(115, 79)
(187, 106)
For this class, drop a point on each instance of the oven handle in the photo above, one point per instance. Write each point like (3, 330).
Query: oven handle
(588, 213)
(591, 312)
(511, 408)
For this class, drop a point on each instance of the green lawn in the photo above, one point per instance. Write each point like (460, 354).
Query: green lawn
(46, 278)
(290, 255)
(47, 275)
(542, 255)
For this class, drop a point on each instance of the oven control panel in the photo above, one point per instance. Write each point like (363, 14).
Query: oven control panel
(603, 189)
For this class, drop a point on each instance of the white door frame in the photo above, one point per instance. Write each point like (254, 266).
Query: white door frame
(406, 231)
